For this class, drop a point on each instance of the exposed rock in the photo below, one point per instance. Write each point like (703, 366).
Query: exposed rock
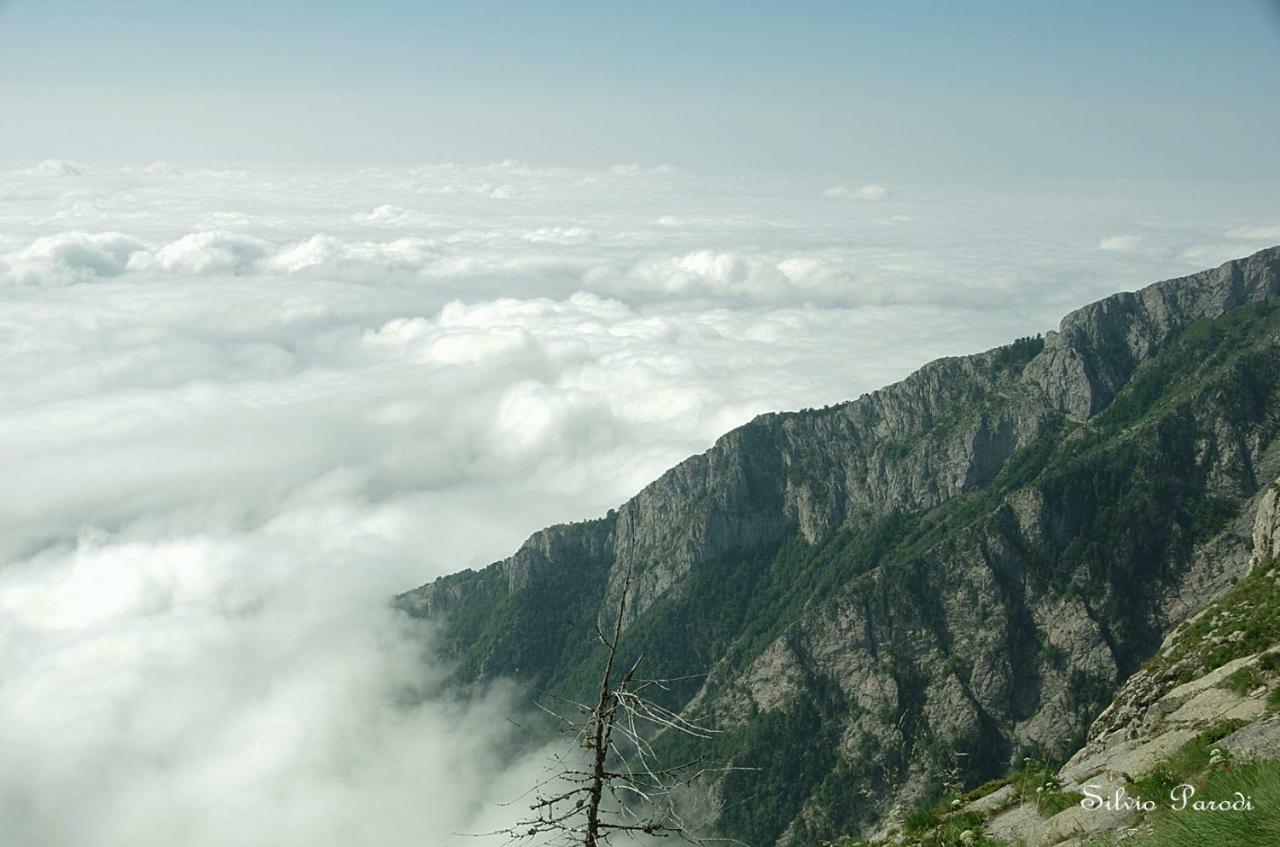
(1258, 741)
(1152, 718)
(1266, 529)
(993, 802)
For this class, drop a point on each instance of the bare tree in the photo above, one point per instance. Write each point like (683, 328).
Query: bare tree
(619, 786)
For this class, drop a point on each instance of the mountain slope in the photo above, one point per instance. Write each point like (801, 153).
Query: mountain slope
(1204, 711)
(944, 575)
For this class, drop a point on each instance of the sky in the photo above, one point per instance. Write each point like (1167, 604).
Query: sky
(861, 90)
(303, 306)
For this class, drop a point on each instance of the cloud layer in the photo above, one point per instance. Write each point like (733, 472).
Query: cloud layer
(240, 408)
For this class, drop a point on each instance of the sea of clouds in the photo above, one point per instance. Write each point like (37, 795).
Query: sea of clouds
(241, 407)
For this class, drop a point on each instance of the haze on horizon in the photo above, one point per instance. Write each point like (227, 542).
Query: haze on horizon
(1155, 89)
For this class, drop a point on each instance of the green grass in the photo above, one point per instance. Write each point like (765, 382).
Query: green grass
(940, 825)
(988, 787)
(1251, 608)
(1271, 662)
(929, 829)
(949, 832)
(1051, 803)
(1188, 764)
(1261, 826)
(1244, 680)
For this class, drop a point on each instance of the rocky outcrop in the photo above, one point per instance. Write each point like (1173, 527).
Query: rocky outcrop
(813, 471)
(1209, 684)
(1266, 529)
(1097, 348)
(547, 548)
(966, 563)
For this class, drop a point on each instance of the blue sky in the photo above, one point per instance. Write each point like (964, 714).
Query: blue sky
(878, 90)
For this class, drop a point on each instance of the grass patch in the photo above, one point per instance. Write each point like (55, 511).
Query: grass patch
(1050, 803)
(952, 832)
(942, 824)
(933, 830)
(1244, 680)
(1246, 620)
(1188, 828)
(988, 787)
(1186, 765)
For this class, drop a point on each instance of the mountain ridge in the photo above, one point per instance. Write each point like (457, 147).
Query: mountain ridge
(1027, 479)
(1080, 387)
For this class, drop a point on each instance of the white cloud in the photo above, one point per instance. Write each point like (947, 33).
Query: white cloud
(71, 257)
(559, 235)
(1270, 234)
(240, 408)
(872, 191)
(54, 168)
(206, 252)
(1120, 243)
(753, 277)
(244, 689)
(324, 254)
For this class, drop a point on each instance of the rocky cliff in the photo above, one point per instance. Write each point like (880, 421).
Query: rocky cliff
(1204, 711)
(944, 576)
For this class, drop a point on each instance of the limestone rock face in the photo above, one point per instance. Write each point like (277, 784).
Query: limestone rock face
(940, 575)
(1266, 529)
(1183, 692)
(1097, 348)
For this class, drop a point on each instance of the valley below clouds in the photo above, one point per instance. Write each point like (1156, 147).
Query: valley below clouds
(240, 408)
